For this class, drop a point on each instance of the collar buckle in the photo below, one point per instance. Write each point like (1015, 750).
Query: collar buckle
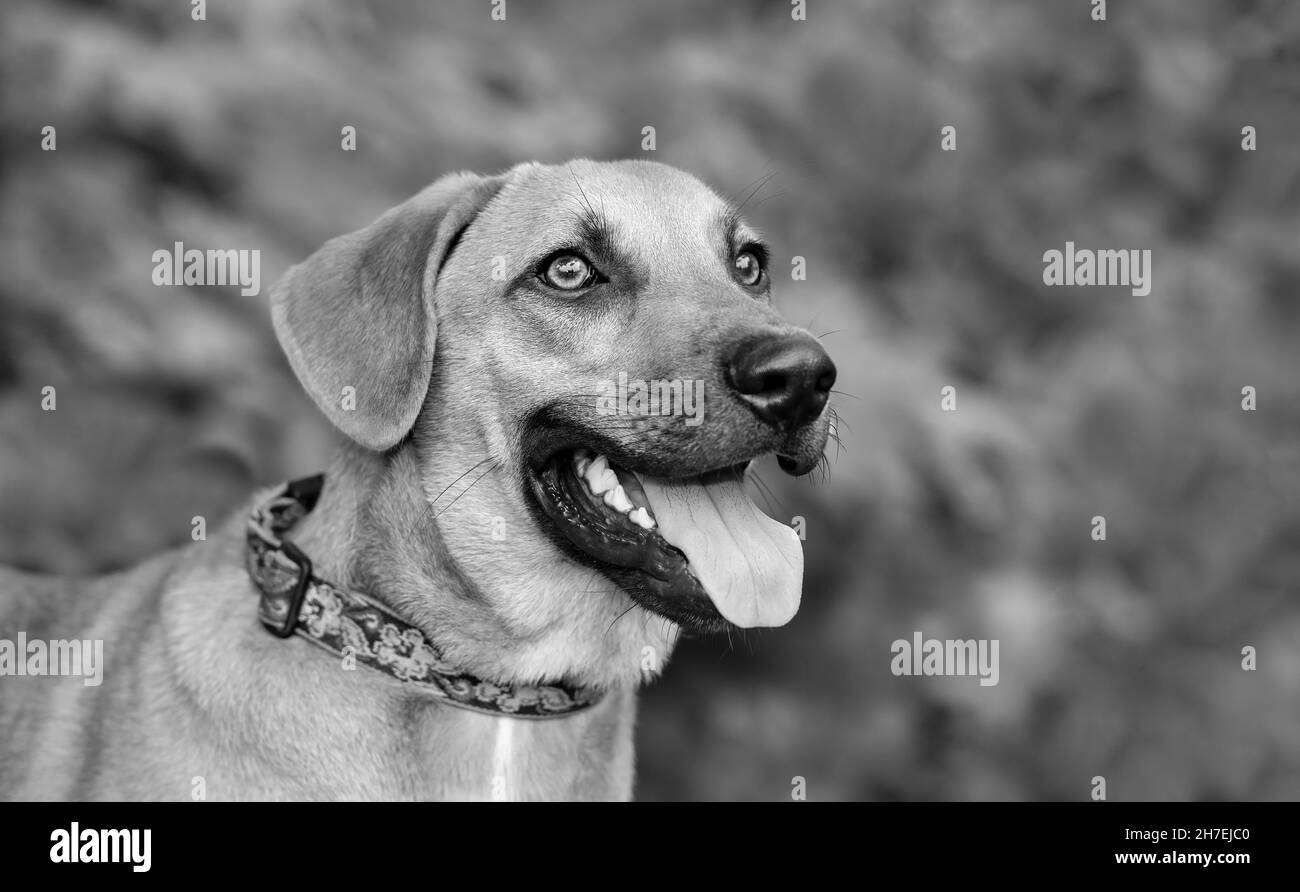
(286, 627)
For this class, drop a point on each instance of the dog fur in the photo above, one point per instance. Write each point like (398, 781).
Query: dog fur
(194, 687)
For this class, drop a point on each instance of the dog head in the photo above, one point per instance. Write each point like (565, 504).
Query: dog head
(581, 361)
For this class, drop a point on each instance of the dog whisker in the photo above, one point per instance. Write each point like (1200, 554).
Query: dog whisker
(463, 491)
(766, 492)
(616, 619)
(472, 469)
(763, 181)
(424, 515)
(824, 466)
(767, 198)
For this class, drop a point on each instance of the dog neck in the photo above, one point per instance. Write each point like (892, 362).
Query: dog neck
(374, 530)
(369, 531)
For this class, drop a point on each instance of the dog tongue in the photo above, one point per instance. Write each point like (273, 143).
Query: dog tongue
(750, 565)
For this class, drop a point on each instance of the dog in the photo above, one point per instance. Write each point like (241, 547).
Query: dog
(509, 541)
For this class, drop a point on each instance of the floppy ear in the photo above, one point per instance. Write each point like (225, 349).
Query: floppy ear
(359, 312)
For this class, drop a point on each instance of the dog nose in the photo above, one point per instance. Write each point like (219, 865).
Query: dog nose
(785, 379)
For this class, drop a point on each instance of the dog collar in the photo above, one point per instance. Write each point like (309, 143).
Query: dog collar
(348, 623)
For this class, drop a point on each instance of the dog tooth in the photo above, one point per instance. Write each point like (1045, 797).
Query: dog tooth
(617, 499)
(599, 477)
(642, 518)
(602, 483)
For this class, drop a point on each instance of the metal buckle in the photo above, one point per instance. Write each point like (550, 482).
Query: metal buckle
(290, 623)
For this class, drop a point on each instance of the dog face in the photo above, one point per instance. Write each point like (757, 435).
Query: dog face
(604, 363)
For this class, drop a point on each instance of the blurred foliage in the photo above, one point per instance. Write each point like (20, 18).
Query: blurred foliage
(1119, 658)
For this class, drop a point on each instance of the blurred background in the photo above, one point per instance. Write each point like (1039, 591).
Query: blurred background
(1119, 658)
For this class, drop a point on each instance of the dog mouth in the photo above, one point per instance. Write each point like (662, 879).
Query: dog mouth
(695, 550)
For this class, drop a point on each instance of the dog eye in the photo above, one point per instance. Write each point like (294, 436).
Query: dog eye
(569, 272)
(748, 268)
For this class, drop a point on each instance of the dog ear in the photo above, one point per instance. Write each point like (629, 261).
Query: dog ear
(359, 312)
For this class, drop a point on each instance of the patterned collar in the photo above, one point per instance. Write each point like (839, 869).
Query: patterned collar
(348, 623)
